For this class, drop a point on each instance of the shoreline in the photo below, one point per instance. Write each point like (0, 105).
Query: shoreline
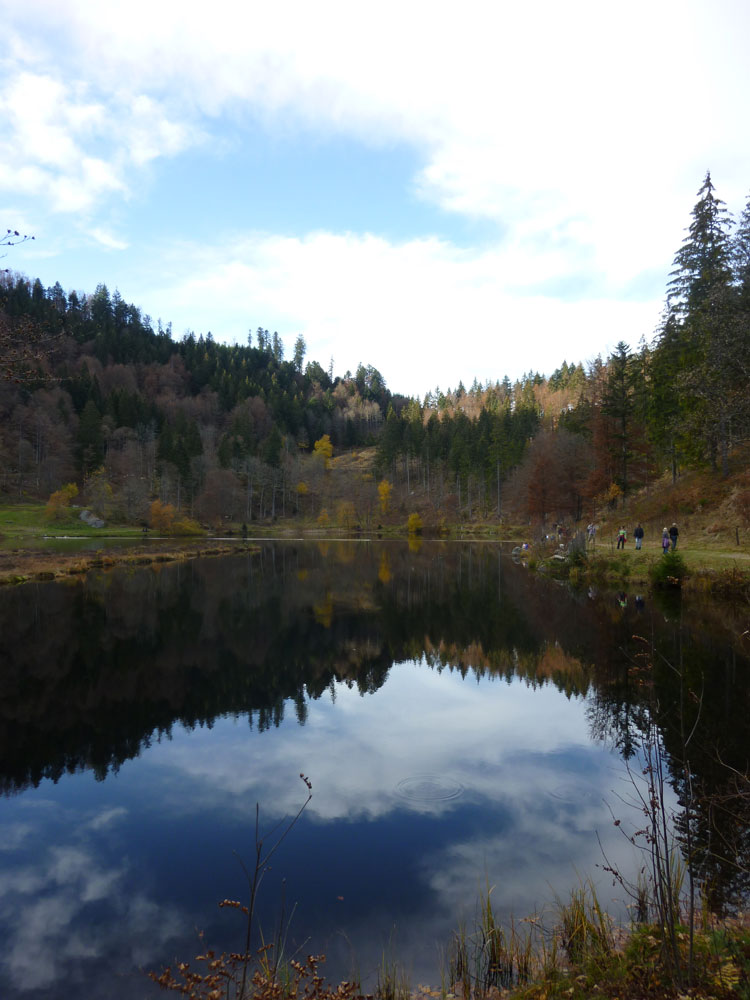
(19, 566)
(26, 565)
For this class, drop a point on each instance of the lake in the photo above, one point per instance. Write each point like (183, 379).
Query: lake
(465, 724)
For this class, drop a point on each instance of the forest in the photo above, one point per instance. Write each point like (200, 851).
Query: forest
(100, 405)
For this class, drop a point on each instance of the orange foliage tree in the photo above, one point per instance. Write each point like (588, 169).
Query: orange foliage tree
(58, 505)
(161, 516)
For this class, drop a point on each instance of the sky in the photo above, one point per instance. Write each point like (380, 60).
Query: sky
(443, 191)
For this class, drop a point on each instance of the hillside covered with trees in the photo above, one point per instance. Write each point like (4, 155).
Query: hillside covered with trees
(93, 394)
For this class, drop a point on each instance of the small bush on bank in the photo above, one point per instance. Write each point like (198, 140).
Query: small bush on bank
(578, 558)
(669, 571)
(186, 526)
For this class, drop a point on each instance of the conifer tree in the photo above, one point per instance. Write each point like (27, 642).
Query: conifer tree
(618, 405)
(740, 251)
(703, 302)
(703, 261)
(665, 412)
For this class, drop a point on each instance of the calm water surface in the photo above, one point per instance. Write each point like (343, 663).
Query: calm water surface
(464, 724)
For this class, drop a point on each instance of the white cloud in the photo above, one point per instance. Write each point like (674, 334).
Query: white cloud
(47, 128)
(107, 239)
(401, 307)
(582, 133)
(506, 102)
(72, 149)
(148, 133)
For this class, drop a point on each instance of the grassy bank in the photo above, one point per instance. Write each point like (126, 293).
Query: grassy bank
(722, 569)
(24, 530)
(26, 566)
(723, 574)
(25, 522)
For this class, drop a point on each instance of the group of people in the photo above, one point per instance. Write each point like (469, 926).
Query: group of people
(669, 537)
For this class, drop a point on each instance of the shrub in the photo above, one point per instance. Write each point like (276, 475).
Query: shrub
(578, 557)
(669, 571)
(186, 526)
(414, 524)
(731, 584)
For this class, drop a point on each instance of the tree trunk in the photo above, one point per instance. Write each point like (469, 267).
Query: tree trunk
(248, 496)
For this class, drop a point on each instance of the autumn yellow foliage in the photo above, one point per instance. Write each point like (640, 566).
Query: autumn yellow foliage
(414, 524)
(58, 505)
(324, 449)
(384, 492)
(161, 516)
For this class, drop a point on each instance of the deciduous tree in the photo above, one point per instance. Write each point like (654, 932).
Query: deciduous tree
(58, 505)
(324, 450)
(161, 516)
(384, 493)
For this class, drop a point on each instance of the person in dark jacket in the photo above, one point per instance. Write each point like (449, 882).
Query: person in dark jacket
(638, 535)
(673, 533)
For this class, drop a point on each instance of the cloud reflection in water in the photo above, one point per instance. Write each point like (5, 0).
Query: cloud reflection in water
(533, 787)
(151, 853)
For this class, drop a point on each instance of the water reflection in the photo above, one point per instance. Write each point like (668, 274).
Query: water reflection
(442, 701)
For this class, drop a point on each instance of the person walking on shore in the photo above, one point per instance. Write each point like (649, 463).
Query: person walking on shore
(665, 541)
(673, 533)
(622, 537)
(638, 535)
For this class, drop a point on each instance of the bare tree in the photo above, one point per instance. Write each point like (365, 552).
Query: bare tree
(12, 238)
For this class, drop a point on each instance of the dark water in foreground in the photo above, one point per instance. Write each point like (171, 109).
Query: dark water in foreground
(464, 725)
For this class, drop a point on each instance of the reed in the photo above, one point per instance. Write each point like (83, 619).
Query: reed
(392, 981)
(489, 956)
(585, 929)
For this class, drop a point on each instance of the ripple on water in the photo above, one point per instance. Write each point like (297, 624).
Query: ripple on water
(429, 788)
(571, 792)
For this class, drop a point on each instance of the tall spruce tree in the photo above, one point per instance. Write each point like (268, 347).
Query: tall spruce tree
(702, 301)
(703, 261)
